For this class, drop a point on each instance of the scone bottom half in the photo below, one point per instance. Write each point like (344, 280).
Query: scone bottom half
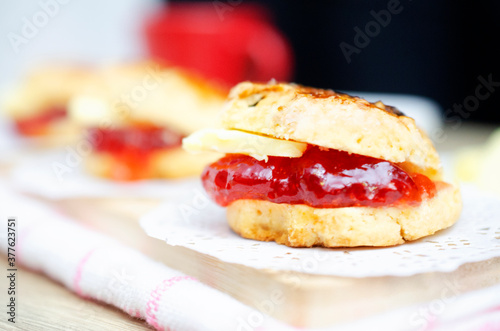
(287, 180)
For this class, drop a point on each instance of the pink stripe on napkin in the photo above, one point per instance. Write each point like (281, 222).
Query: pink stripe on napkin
(153, 303)
(79, 272)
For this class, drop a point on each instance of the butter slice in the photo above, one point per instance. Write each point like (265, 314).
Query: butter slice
(89, 111)
(240, 142)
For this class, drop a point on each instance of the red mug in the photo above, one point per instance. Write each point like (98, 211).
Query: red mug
(229, 44)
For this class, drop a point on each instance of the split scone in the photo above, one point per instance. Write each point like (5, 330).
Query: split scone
(136, 116)
(38, 105)
(308, 167)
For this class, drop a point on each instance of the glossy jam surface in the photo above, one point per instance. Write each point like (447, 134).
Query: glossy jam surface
(132, 148)
(39, 124)
(320, 179)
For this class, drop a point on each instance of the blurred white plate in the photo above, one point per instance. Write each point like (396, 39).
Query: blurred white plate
(40, 175)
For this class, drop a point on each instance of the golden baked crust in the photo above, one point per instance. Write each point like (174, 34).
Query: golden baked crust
(304, 226)
(44, 89)
(170, 163)
(149, 92)
(333, 120)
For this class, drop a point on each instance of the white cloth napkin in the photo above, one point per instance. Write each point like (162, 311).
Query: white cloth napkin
(98, 267)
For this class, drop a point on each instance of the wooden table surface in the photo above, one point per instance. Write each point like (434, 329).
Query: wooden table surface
(46, 305)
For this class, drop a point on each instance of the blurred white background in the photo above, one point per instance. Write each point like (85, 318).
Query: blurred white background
(74, 31)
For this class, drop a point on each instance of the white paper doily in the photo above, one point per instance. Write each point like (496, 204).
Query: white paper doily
(41, 175)
(199, 224)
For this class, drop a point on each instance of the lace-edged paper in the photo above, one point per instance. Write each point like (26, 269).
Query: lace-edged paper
(200, 225)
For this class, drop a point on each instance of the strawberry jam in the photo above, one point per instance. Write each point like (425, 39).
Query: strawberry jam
(132, 148)
(38, 125)
(140, 138)
(321, 178)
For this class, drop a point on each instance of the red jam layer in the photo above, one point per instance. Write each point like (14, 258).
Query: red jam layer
(132, 148)
(38, 125)
(140, 139)
(320, 178)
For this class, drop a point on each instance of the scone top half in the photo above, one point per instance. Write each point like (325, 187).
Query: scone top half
(147, 93)
(332, 120)
(38, 104)
(135, 115)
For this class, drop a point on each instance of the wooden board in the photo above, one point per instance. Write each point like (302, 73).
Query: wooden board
(309, 300)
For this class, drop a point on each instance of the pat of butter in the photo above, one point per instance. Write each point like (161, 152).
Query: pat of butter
(240, 142)
(89, 110)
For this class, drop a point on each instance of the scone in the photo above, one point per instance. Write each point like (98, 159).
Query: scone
(309, 167)
(136, 116)
(38, 106)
